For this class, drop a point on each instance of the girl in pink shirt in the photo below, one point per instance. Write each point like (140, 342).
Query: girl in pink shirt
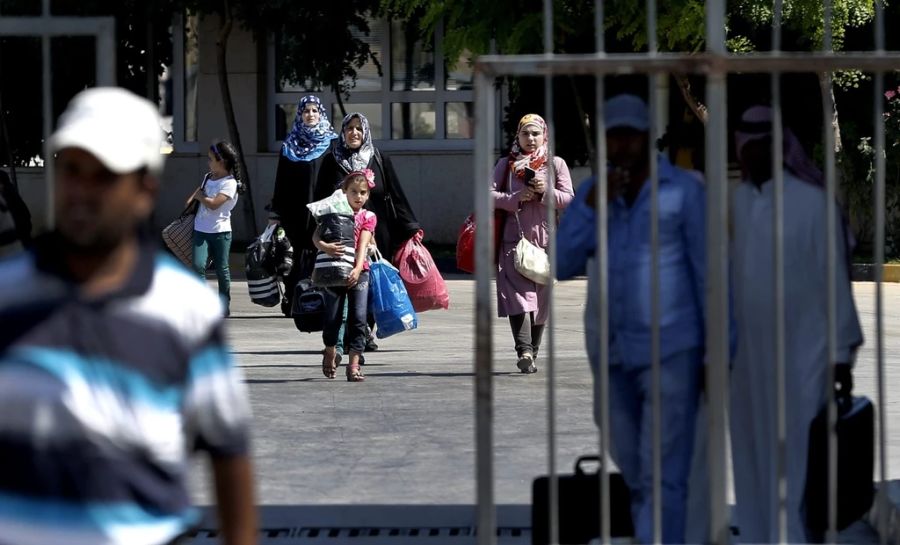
(356, 186)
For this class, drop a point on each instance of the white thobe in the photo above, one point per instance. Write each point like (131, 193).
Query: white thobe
(753, 401)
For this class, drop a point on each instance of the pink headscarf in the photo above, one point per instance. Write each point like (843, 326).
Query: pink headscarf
(535, 160)
(756, 123)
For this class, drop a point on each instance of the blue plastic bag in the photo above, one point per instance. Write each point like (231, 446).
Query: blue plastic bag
(388, 300)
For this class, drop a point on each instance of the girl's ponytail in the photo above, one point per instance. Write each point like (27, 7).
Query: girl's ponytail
(229, 155)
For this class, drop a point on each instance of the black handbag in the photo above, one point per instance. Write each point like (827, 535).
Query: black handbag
(309, 307)
(855, 464)
(579, 506)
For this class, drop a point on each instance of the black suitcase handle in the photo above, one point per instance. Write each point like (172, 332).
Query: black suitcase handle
(587, 458)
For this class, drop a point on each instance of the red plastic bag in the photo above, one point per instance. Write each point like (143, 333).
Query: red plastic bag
(465, 242)
(465, 246)
(424, 283)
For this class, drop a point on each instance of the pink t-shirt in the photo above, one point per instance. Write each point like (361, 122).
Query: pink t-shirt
(365, 221)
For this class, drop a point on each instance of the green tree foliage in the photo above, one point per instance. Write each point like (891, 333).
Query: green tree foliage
(321, 42)
(806, 18)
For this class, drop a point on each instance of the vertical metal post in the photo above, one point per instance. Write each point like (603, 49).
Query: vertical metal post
(553, 497)
(106, 53)
(879, 204)
(717, 277)
(47, 99)
(601, 394)
(831, 286)
(655, 363)
(484, 264)
(780, 501)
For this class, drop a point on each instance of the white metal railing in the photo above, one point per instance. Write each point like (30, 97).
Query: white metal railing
(715, 63)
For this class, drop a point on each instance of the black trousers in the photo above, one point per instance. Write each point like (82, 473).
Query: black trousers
(526, 334)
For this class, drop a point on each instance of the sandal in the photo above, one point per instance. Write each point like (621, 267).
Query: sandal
(354, 374)
(329, 363)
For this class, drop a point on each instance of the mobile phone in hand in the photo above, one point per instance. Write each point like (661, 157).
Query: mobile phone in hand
(529, 175)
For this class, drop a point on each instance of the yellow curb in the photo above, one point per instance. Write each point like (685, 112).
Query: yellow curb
(891, 273)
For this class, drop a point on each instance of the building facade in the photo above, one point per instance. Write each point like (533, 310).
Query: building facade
(420, 112)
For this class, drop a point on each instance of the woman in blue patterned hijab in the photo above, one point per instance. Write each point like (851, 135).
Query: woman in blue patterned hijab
(311, 134)
(302, 154)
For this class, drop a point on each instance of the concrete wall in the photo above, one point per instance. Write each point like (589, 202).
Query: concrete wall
(439, 187)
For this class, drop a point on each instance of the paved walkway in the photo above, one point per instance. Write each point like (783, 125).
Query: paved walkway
(405, 437)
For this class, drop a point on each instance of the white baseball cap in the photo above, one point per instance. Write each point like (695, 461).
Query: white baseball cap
(117, 126)
(626, 111)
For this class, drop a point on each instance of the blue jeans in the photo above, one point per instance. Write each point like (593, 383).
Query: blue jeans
(355, 301)
(631, 438)
(217, 246)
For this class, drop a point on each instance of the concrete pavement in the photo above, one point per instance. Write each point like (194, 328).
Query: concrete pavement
(399, 448)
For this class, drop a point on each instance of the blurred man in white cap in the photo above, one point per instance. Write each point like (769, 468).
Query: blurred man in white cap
(113, 363)
(682, 263)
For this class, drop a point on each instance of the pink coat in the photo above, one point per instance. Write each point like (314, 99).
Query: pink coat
(515, 293)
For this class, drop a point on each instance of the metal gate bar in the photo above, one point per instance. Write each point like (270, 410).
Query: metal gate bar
(715, 63)
(717, 346)
(484, 263)
(550, 189)
(780, 488)
(601, 386)
(879, 204)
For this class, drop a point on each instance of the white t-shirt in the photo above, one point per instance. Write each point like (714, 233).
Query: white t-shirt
(218, 220)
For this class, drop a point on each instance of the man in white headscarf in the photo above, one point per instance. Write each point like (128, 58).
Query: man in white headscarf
(753, 393)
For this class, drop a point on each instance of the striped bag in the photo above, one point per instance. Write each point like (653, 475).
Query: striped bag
(334, 271)
(262, 281)
(179, 235)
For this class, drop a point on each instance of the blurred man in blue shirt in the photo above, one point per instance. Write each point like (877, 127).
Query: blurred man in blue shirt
(682, 262)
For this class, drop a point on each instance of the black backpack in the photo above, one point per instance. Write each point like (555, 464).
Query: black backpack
(308, 307)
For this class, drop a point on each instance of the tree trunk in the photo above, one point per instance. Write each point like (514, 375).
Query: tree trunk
(336, 87)
(585, 126)
(699, 109)
(225, 24)
(828, 91)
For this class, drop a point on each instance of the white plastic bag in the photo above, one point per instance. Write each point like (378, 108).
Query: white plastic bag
(335, 204)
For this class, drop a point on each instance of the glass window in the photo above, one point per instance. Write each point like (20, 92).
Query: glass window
(191, 73)
(459, 119)
(284, 119)
(412, 120)
(371, 111)
(368, 78)
(460, 78)
(412, 63)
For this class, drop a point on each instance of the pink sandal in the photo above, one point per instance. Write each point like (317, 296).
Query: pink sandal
(354, 374)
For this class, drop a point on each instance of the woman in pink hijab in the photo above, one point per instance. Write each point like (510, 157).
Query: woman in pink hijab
(520, 189)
